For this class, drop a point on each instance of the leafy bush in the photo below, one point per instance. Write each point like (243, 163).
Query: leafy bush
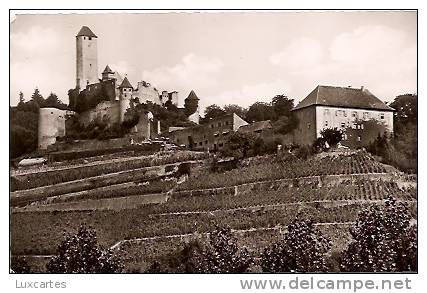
(303, 249)
(303, 152)
(181, 260)
(220, 254)
(239, 144)
(384, 241)
(19, 265)
(332, 136)
(80, 253)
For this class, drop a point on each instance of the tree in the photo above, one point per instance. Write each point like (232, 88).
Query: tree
(213, 111)
(285, 124)
(185, 260)
(332, 136)
(22, 140)
(80, 253)
(219, 254)
(238, 110)
(19, 265)
(303, 249)
(222, 254)
(406, 107)
(21, 100)
(239, 144)
(52, 101)
(37, 97)
(260, 111)
(364, 132)
(282, 106)
(383, 240)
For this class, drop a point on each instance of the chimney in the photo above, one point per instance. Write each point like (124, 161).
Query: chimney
(362, 88)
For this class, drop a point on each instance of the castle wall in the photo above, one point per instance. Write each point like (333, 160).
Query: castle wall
(142, 131)
(195, 117)
(51, 126)
(145, 92)
(109, 110)
(305, 133)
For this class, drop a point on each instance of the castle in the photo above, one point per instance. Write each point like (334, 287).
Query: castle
(107, 99)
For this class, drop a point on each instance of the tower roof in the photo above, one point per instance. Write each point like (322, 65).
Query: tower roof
(108, 70)
(125, 83)
(192, 96)
(85, 31)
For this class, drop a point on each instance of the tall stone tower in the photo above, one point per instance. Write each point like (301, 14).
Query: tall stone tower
(87, 58)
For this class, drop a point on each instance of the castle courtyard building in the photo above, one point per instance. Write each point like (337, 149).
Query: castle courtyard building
(209, 136)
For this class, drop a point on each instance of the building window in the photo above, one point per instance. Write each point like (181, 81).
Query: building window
(344, 113)
(219, 124)
(308, 125)
(201, 143)
(206, 142)
(354, 114)
(221, 145)
(212, 126)
(344, 136)
(359, 138)
(226, 122)
(84, 38)
(90, 38)
(361, 126)
(337, 112)
(342, 125)
(326, 123)
(382, 116)
(365, 115)
(125, 95)
(326, 112)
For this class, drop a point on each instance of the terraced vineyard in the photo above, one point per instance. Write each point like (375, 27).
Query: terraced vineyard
(258, 200)
(357, 163)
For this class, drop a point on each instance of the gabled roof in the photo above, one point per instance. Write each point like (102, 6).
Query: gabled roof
(125, 83)
(192, 96)
(256, 126)
(345, 97)
(85, 31)
(108, 70)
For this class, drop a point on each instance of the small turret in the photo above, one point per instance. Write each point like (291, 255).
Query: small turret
(125, 97)
(107, 74)
(191, 107)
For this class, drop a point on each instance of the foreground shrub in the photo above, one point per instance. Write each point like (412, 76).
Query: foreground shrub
(180, 261)
(303, 249)
(220, 254)
(80, 253)
(19, 265)
(384, 241)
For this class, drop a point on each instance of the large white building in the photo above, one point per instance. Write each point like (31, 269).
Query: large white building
(338, 107)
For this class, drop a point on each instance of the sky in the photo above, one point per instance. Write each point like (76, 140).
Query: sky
(226, 58)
